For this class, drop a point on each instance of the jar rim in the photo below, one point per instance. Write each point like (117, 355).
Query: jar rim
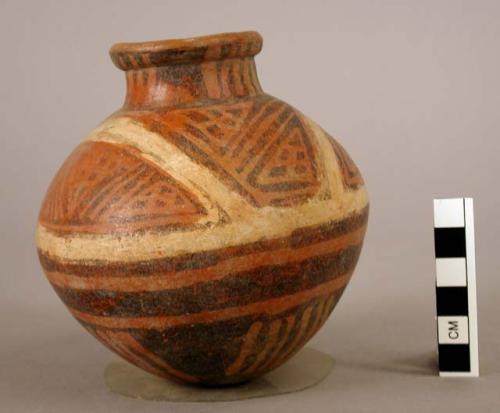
(137, 55)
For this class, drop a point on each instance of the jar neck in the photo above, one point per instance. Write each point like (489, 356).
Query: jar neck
(191, 83)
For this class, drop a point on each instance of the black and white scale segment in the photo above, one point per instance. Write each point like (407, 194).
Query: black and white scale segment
(456, 287)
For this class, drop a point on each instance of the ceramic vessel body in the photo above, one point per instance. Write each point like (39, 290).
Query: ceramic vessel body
(206, 230)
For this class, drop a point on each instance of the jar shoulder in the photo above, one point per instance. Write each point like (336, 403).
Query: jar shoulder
(179, 168)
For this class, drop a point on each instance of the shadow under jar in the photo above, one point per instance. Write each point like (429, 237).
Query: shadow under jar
(206, 230)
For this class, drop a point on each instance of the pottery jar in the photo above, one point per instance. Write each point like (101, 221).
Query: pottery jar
(206, 230)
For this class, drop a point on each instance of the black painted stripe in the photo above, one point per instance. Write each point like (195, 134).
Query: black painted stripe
(241, 68)
(452, 301)
(449, 242)
(234, 290)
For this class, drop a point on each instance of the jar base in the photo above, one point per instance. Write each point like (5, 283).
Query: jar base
(306, 369)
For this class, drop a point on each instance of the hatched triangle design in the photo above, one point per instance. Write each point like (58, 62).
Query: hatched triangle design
(259, 148)
(288, 164)
(103, 187)
(351, 177)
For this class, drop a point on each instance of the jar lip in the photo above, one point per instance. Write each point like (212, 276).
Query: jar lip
(129, 56)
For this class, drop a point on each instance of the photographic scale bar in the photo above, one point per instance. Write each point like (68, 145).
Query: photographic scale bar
(456, 287)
